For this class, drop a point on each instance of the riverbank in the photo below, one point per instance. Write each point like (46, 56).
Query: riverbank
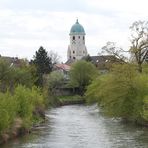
(20, 112)
(71, 100)
(18, 129)
(121, 93)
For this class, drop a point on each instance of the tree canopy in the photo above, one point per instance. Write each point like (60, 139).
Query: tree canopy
(81, 74)
(43, 64)
(121, 93)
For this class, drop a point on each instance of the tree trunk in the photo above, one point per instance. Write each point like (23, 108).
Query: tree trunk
(140, 68)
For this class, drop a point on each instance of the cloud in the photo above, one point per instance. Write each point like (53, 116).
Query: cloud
(26, 25)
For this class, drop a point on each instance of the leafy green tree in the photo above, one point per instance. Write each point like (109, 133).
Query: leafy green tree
(23, 76)
(11, 76)
(54, 80)
(121, 93)
(6, 74)
(81, 75)
(43, 64)
(8, 107)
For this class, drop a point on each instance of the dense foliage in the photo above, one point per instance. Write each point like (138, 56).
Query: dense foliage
(43, 64)
(53, 81)
(121, 93)
(11, 76)
(81, 75)
(22, 105)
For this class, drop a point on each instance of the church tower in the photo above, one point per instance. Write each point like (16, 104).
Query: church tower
(77, 48)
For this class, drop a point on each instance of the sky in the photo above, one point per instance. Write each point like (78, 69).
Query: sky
(25, 25)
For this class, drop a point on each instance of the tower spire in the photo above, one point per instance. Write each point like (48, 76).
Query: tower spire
(77, 20)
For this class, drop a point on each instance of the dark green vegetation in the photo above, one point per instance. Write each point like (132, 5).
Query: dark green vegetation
(43, 64)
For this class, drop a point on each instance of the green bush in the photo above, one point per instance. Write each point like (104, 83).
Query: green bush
(7, 110)
(81, 75)
(23, 76)
(27, 101)
(11, 76)
(24, 104)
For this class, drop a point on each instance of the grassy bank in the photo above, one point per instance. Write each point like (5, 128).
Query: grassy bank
(68, 100)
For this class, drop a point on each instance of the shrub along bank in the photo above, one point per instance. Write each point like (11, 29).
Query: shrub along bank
(121, 93)
(20, 111)
(21, 103)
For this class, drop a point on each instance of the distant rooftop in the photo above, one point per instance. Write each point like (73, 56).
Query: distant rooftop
(63, 66)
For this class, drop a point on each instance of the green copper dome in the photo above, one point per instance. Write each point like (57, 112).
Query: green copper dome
(77, 29)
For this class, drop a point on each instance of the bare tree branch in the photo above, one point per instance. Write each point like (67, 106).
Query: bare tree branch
(110, 48)
(139, 42)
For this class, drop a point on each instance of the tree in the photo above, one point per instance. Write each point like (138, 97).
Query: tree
(6, 74)
(81, 74)
(43, 64)
(54, 80)
(139, 42)
(11, 76)
(87, 58)
(111, 49)
(54, 57)
(121, 93)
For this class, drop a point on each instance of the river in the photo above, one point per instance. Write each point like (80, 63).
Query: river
(79, 126)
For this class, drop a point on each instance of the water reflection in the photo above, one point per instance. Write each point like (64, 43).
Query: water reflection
(79, 126)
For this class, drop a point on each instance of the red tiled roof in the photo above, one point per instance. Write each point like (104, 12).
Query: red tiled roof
(63, 66)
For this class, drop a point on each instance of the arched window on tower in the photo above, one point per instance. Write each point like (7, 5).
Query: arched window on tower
(83, 39)
(73, 37)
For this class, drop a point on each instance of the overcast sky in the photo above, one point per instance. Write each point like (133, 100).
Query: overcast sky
(25, 25)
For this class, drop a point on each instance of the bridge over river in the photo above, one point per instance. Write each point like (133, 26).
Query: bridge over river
(79, 126)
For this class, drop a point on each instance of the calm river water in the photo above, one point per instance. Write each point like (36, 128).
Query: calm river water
(79, 126)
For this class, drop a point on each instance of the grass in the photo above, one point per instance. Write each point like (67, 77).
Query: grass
(72, 99)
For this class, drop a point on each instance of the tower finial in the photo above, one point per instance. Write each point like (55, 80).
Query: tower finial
(77, 20)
